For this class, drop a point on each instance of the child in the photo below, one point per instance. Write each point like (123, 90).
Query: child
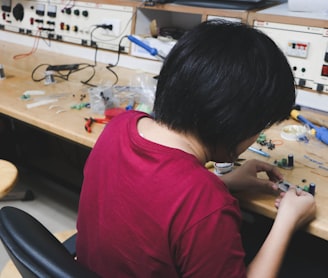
(149, 207)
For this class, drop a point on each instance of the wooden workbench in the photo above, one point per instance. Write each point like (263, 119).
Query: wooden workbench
(70, 125)
(310, 166)
(57, 118)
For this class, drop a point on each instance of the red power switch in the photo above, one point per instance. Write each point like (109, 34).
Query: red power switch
(324, 70)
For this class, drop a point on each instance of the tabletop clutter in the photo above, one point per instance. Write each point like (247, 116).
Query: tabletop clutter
(110, 101)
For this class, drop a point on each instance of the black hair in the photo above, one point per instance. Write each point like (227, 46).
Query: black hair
(224, 82)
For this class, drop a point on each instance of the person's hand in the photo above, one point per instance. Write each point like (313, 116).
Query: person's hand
(296, 207)
(245, 176)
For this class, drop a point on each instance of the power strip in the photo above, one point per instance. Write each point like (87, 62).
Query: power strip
(62, 67)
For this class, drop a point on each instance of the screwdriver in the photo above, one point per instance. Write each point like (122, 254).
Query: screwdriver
(321, 133)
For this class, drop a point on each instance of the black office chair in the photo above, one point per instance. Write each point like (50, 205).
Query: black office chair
(34, 250)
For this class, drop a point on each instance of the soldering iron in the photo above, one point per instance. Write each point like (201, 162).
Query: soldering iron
(151, 50)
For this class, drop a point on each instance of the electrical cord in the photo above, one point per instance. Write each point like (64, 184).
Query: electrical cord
(34, 47)
(94, 44)
(124, 29)
(65, 76)
(111, 66)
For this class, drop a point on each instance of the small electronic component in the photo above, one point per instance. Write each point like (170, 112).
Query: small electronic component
(2, 72)
(312, 189)
(290, 160)
(286, 163)
(283, 185)
(262, 140)
(49, 77)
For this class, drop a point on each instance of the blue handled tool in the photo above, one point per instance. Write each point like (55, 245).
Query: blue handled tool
(321, 133)
(151, 50)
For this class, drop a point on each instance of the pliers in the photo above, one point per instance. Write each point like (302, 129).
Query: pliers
(109, 114)
(90, 121)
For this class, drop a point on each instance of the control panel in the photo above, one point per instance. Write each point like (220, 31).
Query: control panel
(82, 23)
(306, 49)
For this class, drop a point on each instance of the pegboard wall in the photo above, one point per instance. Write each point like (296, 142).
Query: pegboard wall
(81, 23)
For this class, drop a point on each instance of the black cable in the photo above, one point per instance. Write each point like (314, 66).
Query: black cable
(35, 69)
(94, 44)
(86, 82)
(110, 66)
(119, 51)
(59, 74)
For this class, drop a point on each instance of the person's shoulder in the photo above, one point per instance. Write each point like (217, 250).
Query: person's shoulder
(204, 182)
(124, 117)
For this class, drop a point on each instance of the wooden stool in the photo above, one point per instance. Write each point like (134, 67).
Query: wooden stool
(8, 174)
(8, 178)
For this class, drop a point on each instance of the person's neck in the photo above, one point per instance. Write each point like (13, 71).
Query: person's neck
(160, 134)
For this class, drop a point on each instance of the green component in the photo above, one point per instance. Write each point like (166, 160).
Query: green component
(79, 106)
(279, 163)
(25, 96)
(261, 138)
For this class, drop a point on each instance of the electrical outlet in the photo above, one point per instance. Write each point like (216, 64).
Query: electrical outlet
(115, 27)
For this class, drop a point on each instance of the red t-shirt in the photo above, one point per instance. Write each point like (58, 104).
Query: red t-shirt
(147, 210)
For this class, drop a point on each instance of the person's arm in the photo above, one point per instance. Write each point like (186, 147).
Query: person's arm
(295, 209)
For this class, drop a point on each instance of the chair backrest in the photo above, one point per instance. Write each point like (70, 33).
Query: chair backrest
(34, 250)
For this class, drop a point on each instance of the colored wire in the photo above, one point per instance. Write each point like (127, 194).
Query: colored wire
(33, 50)
(277, 142)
